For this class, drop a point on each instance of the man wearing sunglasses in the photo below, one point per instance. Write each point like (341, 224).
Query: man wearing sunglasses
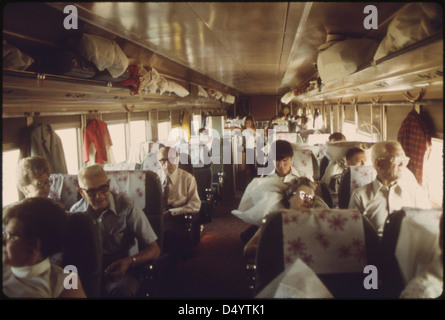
(124, 228)
(394, 187)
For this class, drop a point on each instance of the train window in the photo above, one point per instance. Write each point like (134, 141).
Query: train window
(209, 123)
(117, 133)
(10, 192)
(138, 133)
(433, 173)
(349, 130)
(163, 131)
(196, 124)
(376, 128)
(367, 130)
(349, 114)
(69, 143)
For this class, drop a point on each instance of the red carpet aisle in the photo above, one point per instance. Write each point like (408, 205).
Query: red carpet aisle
(218, 269)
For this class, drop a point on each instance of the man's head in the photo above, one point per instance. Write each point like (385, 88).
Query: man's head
(94, 185)
(283, 157)
(389, 159)
(168, 159)
(337, 137)
(355, 157)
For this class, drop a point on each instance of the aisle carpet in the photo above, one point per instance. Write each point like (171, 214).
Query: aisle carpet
(218, 269)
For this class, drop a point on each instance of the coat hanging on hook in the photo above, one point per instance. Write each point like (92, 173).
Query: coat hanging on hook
(97, 142)
(415, 137)
(41, 140)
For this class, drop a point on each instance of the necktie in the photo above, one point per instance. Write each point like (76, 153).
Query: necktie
(166, 190)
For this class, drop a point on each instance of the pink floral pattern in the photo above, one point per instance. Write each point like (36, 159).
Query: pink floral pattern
(328, 241)
(119, 166)
(302, 161)
(64, 189)
(130, 183)
(361, 175)
(151, 162)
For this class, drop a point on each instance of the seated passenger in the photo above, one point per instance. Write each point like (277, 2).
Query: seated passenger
(283, 171)
(353, 157)
(124, 228)
(33, 177)
(300, 195)
(35, 229)
(392, 189)
(180, 196)
(283, 162)
(180, 188)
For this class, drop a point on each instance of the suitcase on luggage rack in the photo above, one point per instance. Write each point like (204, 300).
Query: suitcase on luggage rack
(66, 63)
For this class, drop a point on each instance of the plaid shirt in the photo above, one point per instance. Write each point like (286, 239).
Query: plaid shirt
(414, 136)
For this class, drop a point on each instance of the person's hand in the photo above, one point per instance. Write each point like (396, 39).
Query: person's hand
(118, 268)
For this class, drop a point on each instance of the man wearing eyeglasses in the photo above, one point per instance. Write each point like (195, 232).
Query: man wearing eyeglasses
(181, 200)
(394, 187)
(124, 227)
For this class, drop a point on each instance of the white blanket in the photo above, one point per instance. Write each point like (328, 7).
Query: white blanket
(262, 196)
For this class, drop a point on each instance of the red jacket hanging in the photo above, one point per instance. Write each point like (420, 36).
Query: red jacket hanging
(414, 136)
(97, 133)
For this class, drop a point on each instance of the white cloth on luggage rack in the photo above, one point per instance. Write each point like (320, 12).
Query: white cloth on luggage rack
(104, 53)
(417, 21)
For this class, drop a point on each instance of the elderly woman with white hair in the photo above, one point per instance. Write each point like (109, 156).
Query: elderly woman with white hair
(394, 187)
(33, 177)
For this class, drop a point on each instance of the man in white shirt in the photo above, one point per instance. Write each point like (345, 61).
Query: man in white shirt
(284, 171)
(182, 190)
(392, 189)
(181, 200)
(283, 159)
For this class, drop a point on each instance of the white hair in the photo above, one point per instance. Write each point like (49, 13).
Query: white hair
(90, 171)
(383, 149)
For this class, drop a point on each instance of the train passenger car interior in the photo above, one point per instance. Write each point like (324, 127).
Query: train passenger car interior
(112, 83)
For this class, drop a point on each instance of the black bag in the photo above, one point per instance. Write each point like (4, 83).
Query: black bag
(68, 64)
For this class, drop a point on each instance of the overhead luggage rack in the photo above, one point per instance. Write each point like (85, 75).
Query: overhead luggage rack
(413, 68)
